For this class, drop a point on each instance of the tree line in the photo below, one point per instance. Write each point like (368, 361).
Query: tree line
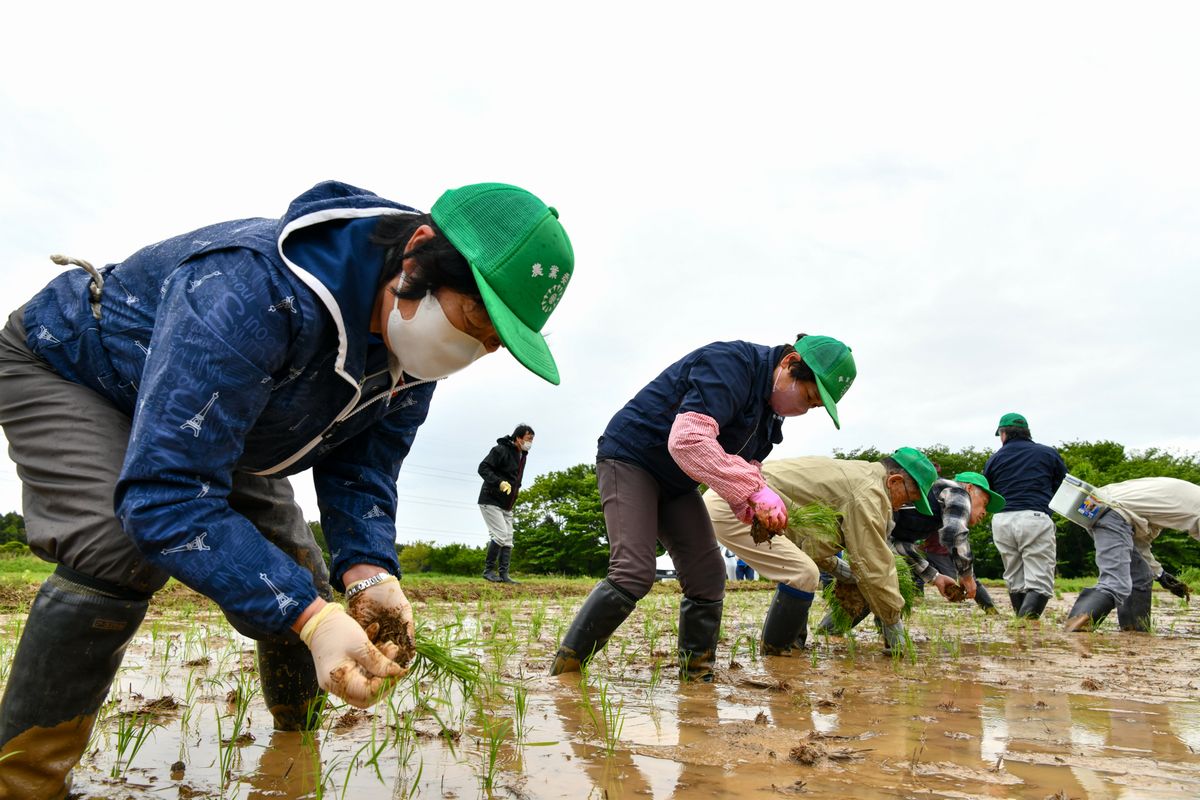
(559, 527)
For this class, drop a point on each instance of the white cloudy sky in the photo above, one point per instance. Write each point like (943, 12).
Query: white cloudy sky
(996, 206)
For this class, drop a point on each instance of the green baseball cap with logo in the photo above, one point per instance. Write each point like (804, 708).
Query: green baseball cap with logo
(995, 501)
(1012, 420)
(916, 464)
(521, 258)
(833, 365)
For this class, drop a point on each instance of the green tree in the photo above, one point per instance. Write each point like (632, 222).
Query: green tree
(12, 528)
(558, 525)
(415, 557)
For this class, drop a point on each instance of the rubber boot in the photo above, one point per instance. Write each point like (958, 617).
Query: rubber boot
(786, 625)
(1017, 599)
(602, 613)
(1134, 613)
(70, 651)
(699, 627)
(1090, 609)
(489, 562)
(1033, 605)
(827, 627)
(505, 558)
(289, 684)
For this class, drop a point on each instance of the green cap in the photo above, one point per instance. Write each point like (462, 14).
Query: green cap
(995, 501)
(922, 471)
(521, 258)
(1013, 420)
(833, 364)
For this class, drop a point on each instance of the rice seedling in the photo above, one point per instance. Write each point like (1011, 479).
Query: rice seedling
(495, 730)
(838, 595)
(132, 732)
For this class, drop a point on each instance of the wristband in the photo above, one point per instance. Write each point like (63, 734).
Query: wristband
(367, 583)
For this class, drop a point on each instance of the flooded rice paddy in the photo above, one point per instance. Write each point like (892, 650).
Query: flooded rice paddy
(979, 707)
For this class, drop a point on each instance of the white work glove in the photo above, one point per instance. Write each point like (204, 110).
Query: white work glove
(348, 665)
(506, 487)
(841, 570)
(378, 604)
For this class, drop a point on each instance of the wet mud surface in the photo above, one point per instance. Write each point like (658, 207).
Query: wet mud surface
(978, 707)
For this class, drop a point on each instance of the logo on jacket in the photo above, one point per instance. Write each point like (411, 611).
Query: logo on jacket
(194, 285)
(197, 421)
(286, 304)
(285, 602)
(196, 545)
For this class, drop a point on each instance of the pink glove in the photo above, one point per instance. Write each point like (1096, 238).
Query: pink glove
(769, 509)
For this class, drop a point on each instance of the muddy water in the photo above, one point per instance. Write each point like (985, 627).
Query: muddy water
(983, 708)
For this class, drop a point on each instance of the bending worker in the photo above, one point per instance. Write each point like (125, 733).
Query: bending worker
(1142, 509)
(710, 417)
(938, 547)
(206, 368)
(865, 494)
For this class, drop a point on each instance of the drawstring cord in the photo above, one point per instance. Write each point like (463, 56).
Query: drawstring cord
(97, 279)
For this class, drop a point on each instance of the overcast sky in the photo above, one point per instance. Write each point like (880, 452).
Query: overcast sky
(997, 207)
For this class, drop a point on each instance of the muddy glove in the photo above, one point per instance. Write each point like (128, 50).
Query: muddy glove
(506, 487)
(893, 636)
(943, 584)
(841, 570)
(378, 604)
(768, 508)
(1175, 586)
(348, 665)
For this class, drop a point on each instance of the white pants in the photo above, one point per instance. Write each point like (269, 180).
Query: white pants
(499, 524)
(1027, 545)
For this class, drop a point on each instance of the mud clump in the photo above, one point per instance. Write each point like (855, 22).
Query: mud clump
(807, 753)
(850, 597)
(955, 593)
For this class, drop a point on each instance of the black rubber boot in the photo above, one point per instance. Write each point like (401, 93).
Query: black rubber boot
(827, 627)
(70, 651)
(1017, 599)
(602, 613)
(1090, 609)
(289, 684)
(505, 558)
(786, 623)
(489, 562)
(1033, 605)
(1134, 613)
(699, 627)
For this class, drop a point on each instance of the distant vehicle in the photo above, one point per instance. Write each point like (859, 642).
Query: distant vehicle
(664, 567)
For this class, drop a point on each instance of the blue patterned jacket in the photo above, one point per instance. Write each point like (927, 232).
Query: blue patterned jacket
(244, 346)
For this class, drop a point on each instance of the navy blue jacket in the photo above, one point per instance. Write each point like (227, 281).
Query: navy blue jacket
(728, 381)
(1026, 474)
(245, 346)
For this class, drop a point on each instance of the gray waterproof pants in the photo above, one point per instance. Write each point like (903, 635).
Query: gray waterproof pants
(1122, 568)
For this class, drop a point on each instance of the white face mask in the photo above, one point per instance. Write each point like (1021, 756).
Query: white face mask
(526, 446)
(428, 346)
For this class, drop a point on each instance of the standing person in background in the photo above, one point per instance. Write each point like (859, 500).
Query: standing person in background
(155, 407)
(745, 572)
(1027, 475)
(1142, 509)
(501, 471)
(938, 547)
(710, 417)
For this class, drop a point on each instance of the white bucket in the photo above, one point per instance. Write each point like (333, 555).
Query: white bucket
(1078, 501)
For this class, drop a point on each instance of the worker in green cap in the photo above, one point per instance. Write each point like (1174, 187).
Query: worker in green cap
(710, 418)
(865, 494)
(182, 386)
(1027, 474)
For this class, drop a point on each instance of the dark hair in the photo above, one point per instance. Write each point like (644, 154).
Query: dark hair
(1016, 433)
(438, 262)
(798, 370)
(521, 430)
(893, 468)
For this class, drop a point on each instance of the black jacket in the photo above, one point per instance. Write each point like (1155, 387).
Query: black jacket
(504, 463)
